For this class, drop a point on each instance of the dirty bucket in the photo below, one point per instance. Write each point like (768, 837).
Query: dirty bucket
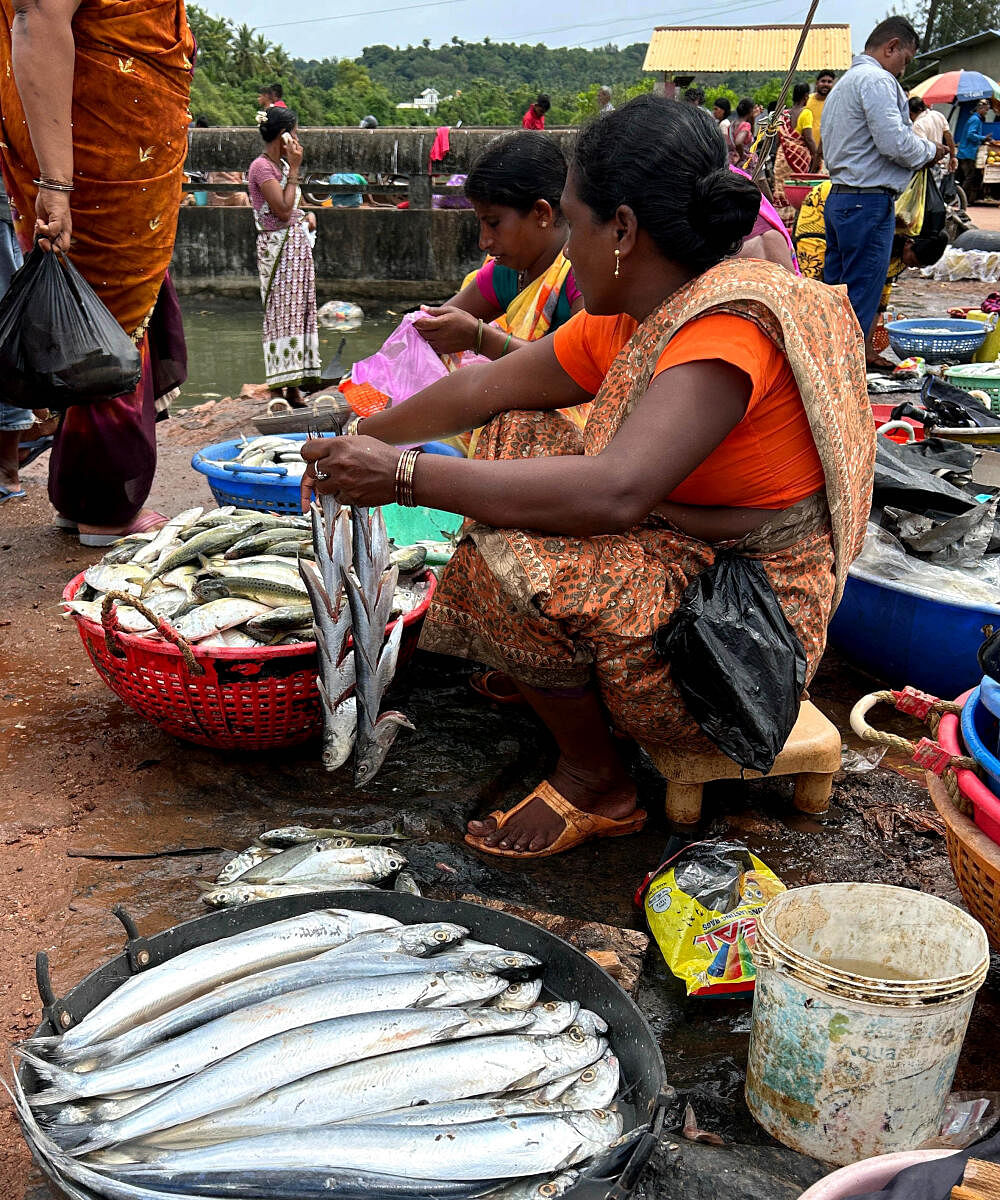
(863, 997)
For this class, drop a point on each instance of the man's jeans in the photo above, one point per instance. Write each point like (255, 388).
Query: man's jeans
(859, 232)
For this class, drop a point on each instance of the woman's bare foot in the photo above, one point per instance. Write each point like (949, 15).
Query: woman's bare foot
(294, 397)
(537, 826)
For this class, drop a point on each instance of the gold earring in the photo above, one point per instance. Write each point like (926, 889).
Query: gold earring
(618, 263)
(545, 224)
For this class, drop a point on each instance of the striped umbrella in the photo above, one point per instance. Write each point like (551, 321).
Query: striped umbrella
(955, 87)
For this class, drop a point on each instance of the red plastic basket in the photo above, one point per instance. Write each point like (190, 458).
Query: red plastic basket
(258, 699)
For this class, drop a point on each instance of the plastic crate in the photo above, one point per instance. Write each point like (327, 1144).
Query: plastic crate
(962, 339)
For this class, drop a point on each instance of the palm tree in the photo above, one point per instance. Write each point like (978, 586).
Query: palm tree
(243, 55)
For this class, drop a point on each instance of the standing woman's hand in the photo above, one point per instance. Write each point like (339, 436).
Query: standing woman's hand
(53, 220)
(292, 150)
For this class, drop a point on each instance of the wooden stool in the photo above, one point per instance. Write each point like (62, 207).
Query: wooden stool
(811, 754)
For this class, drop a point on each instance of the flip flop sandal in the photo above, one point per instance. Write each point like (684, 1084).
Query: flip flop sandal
(580, 826)
(143, 524)
(61, 522)
(7, 493)
(38, 446)
(484, 684)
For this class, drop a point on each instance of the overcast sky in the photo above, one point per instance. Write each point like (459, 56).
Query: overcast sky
(310, 28)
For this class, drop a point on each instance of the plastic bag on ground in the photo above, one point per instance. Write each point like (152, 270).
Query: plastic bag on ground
(905, 479)
(886, 559)
(59, 344)
(406, 364)
(736, 661)
(702, 907)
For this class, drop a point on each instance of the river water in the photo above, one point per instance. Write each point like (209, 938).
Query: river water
(224, 350)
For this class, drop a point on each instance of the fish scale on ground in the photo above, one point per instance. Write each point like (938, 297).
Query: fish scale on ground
(290, 1060)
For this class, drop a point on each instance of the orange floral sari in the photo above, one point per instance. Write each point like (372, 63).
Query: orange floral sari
(131, 85)
(556, 611)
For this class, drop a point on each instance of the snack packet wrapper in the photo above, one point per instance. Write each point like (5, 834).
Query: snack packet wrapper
(702, 907)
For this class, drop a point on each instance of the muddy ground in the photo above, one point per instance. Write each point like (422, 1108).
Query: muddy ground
(86, 778)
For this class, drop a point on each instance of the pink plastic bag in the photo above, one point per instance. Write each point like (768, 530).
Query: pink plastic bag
(406, 363)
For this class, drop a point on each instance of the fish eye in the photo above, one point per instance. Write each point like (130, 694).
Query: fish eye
(588, 1076)
(576, 1034)
(478, 975)
(547, 1189)
(510, 961)
(551, 1006)
(441, 935)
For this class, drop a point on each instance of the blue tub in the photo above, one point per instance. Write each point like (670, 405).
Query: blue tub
(979, 732)
(275, 490)
(903, 636)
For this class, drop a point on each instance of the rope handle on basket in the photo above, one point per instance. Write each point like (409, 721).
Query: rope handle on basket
(928, 753)
(112, 630)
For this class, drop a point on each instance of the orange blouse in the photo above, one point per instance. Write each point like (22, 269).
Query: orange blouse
(769, 460)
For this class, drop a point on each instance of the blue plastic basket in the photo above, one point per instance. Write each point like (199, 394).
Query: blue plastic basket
(959, 344)
(274, 490)
(979, 732)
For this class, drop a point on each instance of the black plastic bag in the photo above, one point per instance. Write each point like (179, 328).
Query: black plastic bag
(934, 208)
(949, 192)
(59, 345)
(736, 661)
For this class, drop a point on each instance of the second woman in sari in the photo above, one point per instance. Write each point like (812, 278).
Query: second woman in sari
(526, 288)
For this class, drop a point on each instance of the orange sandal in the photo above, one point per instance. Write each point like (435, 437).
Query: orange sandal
(580, 826)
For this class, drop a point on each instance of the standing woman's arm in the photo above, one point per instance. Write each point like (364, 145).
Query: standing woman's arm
(44, 57)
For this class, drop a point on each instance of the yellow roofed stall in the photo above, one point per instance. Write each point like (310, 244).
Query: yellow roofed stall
(714, 49)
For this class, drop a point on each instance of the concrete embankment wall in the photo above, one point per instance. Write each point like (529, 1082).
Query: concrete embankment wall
(361, 253)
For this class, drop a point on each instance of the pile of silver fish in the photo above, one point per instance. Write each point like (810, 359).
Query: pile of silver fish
(294, 860)
(352, 584)
(280, 456)
(337, 1054)
(226, 577)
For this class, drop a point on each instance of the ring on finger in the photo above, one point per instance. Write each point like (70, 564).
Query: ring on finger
(320, 475)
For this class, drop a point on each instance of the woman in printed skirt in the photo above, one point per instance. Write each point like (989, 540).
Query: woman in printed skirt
(285, 236)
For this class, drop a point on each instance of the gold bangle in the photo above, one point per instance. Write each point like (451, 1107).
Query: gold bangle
(351, 428)
(404, 477)
(479, 335)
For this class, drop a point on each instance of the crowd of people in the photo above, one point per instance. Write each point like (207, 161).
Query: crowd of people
(658, 377)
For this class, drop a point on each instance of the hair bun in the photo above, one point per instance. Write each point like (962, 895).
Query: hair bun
(723, 209)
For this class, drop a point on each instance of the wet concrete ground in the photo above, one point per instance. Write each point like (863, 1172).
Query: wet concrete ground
(86, 777)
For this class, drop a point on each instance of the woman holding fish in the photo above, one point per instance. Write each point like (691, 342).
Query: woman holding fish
(711, 427)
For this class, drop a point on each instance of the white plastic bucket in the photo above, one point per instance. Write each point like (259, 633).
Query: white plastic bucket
(862, 999)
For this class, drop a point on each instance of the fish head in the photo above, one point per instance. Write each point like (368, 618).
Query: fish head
(509, 964)
(210, 588)
(371, 756)
(597, 1085)
(467, 987)
(521, 994)
(572, 1050)
(549, 1189)
(387, 861)
(552, 1017)
(421, 941)
(220, 897)
(597, 1125)
(590, 1022)
(335, 843)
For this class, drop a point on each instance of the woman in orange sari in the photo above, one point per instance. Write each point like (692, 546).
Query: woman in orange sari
(730, 412)
(94, 120)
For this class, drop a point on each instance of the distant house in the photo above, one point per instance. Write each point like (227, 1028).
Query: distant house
(678, 53)
(427, 101)
(978, 53)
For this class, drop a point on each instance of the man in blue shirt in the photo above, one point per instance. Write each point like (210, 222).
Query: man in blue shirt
(871, 153)
(976, 132)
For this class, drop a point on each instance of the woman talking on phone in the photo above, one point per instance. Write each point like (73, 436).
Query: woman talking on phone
(284, 259)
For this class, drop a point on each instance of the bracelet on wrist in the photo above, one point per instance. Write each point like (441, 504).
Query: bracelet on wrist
(404, 477)
(479, 335)
(506, 345)
(54, 185)
(351, 428)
